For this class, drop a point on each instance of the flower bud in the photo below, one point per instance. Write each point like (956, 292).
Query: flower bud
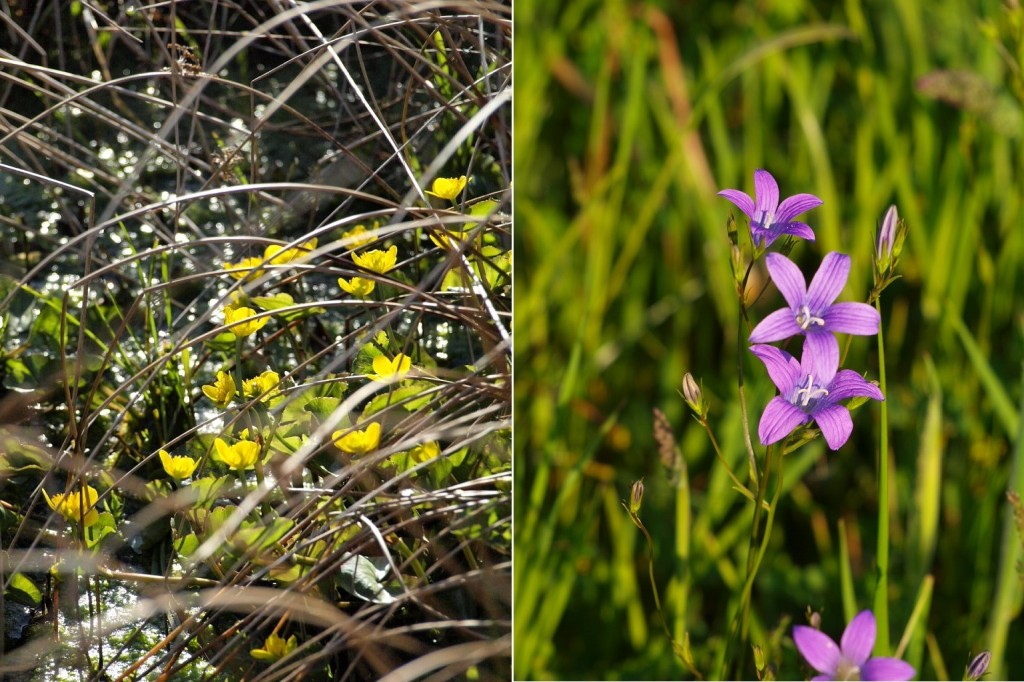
(886, 237)
(636, 496)
(978, 666)
(693, 395)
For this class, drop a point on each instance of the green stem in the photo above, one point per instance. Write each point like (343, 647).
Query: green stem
(882, 646)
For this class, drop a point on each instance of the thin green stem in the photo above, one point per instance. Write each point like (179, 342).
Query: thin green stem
(882, 646)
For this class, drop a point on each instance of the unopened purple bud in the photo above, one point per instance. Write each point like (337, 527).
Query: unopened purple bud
(978, 666)
(692, 394)
(636, 497)
(887, 237)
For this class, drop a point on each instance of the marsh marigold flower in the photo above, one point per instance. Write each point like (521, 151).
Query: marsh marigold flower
(357, 286)
(240, 456)
(811, 310)
(263, 385)
(809, 390)
(358, 442)
(447, 188)
(769, 219)
(275, 254)
(242, 322)
(247, 267)
(76, 507)
(358, 236)
(221, 391)
(274, 648)
(377, 261)
(178, 468)
(385, 369)
(851, 658)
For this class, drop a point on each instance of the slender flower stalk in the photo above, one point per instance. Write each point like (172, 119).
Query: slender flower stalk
(769, 219)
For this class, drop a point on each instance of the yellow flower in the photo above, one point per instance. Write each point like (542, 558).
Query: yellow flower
(384, 369)
(424, 452)
(77, 507)
(243, 321)
(377, 261)
(447, 188)
(357, 286)
(358, 236)
(177, 468)
(247, 267)
(448, 238)
(274, 648)
(222, 391)
(358, 442)
(275, 254)
(263, 385)
(240, 456)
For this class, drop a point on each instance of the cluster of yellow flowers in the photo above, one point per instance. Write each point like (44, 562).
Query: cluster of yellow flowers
(376, 260)
(275, 254)
(224, 389)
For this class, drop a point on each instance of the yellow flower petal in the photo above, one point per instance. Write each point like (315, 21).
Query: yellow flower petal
(358, 236)
(358, 442)
(263, 385)
(242, 322)
(447, 188)
(245, 268)
(178, 468)
(240, 456)
(76, 507)
(275, 648)
(385, 369)
(275, 254)
(377, 261)
(357, 286)
(222, 391)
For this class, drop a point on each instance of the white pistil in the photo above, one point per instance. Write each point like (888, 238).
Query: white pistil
(805, 319)
(766, 219)
(809, 392)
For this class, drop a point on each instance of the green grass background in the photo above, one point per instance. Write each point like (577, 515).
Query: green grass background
(629, 117)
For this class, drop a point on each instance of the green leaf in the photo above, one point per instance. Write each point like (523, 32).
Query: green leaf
(184, 546)
(405, 391)
(23, 591)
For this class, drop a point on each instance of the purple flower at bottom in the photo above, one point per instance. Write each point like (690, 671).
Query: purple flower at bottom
(851, 659)
(769, 219)
(809, 390)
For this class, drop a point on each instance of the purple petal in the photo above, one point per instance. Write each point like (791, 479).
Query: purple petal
(852, 318)
(795, 205)
(782, 367)
(848, 384)
(779, 419)
(775, 327)
(802, 230)
(836, 426)
(741, 199)
(828, 281)
(788, 278)
(820, 357)
(859, 637)
(766, 191)
(887, 669)
(817, 648)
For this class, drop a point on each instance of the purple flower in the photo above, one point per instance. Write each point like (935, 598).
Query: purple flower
(851, 659)
(809, 390)
(769, 220)
(811, 310)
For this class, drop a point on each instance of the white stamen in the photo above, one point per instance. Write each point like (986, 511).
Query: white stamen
(809, 392)
(805, 319)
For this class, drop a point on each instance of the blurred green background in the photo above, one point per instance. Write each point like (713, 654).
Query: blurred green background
(629, 117)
